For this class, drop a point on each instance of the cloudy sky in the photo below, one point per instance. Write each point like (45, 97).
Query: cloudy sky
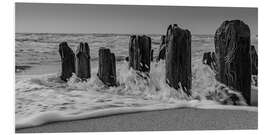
(86, 18)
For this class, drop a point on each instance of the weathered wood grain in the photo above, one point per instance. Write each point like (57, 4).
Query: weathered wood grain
(67, 61)
(232, 48)
(178, 58)
(152, 55)
(254, 60)
(107, 67)
(83, 65)
(140, 53)
(209, 59)
(162, 49)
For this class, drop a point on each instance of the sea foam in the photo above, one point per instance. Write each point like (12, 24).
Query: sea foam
(45, 98)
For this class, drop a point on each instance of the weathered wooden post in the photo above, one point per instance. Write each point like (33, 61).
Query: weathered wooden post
(83, 67)
(178, 58)
(214, 61)
(162, 49)
(67, 61)
(107, 67)
(152, 54)
(139, 53)
(127, 58)
(232, 48)
(209, 59)
(254, 60)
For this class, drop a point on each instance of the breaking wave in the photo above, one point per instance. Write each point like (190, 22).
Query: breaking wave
(45, 98)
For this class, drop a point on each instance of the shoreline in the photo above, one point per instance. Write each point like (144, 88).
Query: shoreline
(162, 120)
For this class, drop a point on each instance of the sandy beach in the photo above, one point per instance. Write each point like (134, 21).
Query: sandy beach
(165, 120)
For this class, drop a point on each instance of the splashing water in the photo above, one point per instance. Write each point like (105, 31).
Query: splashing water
(45, 98)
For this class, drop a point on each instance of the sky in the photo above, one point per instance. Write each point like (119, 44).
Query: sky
(87, 18)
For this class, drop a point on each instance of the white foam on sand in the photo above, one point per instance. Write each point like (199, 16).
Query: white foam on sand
(45, 98)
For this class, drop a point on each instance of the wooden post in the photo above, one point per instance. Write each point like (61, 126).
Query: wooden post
(162, 49)
(214, 61)
(178, 58)
(83, 67)
(67, 61)
(209, 59)
(232, 48)
(254, 60)
(127, 58)
(139, 53)
(152, 54)
(107, 67)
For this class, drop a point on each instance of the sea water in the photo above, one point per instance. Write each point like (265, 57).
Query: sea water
(44, 97)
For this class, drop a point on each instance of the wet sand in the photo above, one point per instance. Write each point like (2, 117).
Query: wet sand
(165, 120)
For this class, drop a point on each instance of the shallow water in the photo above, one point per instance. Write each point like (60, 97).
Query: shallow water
(42, 97)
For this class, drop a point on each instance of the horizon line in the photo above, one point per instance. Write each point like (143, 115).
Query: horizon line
(101, 33)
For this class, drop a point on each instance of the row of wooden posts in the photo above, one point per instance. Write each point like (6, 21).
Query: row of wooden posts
(232, 58)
